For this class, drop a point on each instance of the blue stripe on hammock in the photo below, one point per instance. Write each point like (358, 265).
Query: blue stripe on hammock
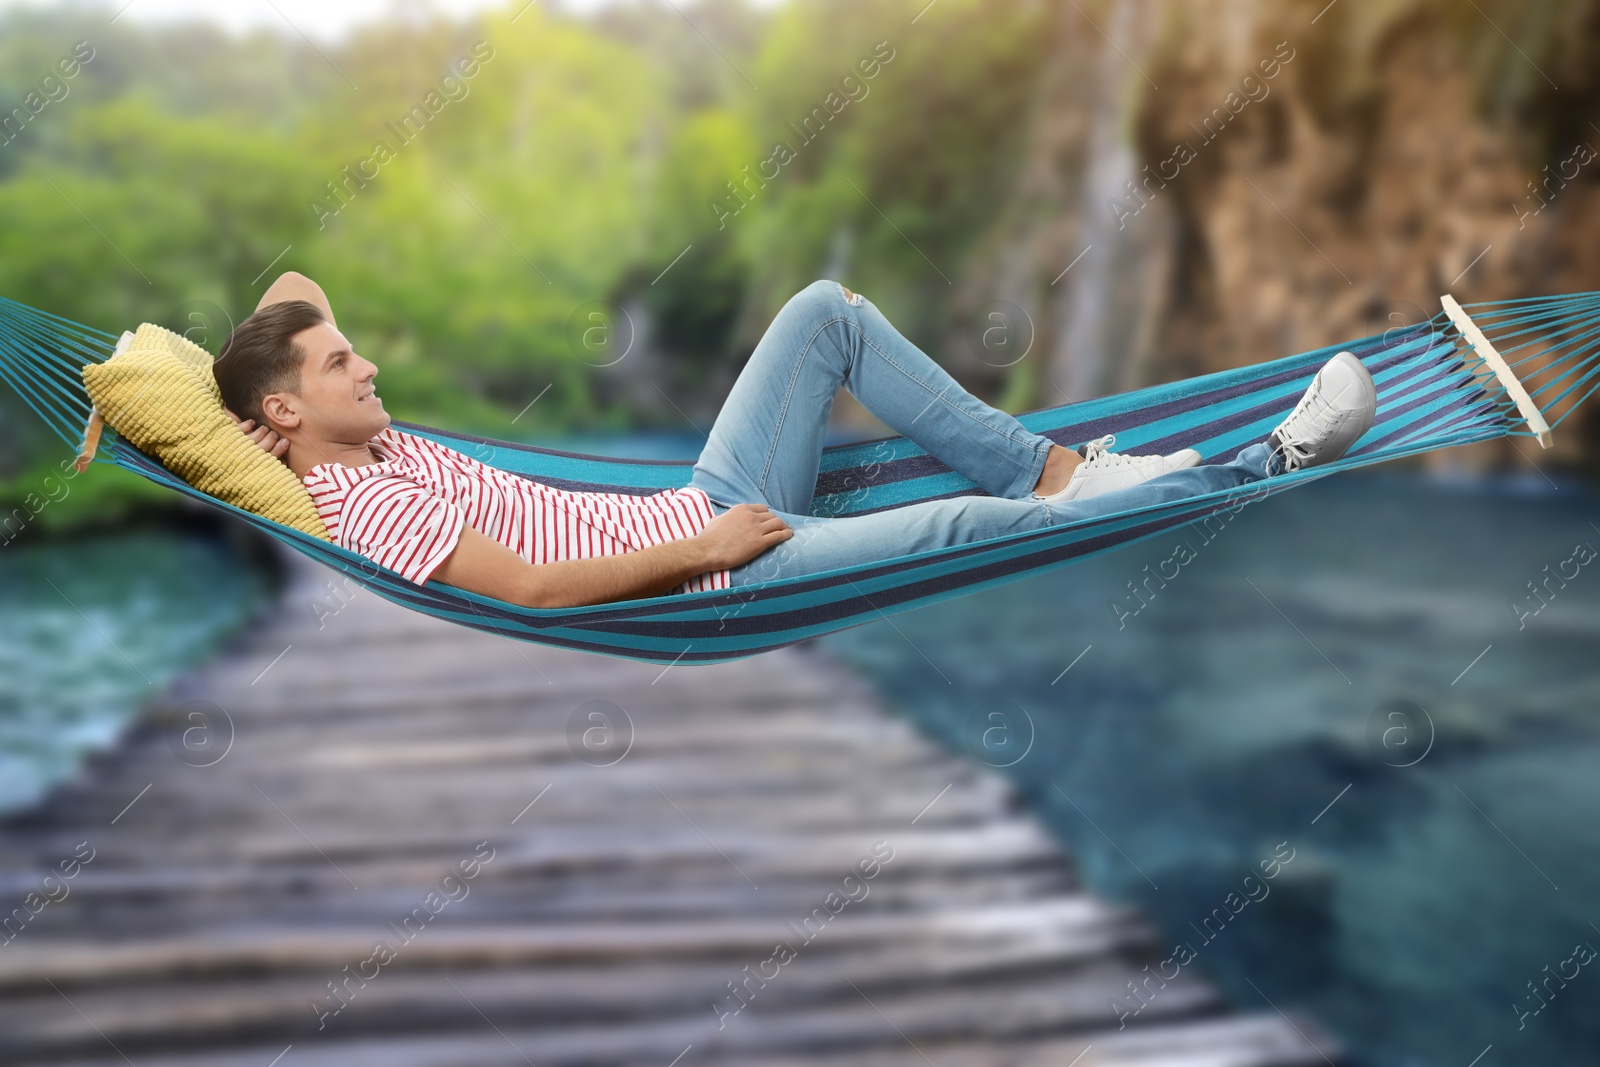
(1428, 400)
(711, 627)
(788, 620)
(1091, 418)
(1158, 425)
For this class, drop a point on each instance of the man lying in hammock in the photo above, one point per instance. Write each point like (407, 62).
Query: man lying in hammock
(426, 511)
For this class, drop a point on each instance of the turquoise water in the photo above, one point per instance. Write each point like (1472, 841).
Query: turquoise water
(1351, 676)
(91, 630)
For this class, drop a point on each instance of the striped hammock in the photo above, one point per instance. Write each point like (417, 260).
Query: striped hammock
(1473, 373)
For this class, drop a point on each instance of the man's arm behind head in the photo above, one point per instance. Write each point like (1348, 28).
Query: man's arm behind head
(292, 286)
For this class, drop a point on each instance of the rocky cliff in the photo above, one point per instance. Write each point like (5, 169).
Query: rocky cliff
(1246, 179)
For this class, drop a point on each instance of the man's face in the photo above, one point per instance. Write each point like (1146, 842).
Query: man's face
(337, 401)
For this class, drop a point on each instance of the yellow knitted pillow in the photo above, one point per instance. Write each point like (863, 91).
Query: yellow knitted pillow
(160, 395)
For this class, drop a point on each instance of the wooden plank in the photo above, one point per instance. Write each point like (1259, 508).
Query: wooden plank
(616, 911)
(560, 1020)
(1066, 920)
(1254, 1041)
(565, 993)
(1513, 385)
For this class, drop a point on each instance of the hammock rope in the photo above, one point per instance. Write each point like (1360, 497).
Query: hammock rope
(1438, 387)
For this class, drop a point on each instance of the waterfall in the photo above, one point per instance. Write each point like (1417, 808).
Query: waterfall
(1117, 289)
(839, 250)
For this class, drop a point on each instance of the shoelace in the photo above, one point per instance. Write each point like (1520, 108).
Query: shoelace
(1294, 457)
(1293, 453)
(1099, 452)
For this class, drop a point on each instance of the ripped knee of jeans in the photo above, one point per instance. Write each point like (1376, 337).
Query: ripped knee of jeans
(853, 299)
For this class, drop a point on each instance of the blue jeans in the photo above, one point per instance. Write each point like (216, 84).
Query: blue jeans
(766, 445)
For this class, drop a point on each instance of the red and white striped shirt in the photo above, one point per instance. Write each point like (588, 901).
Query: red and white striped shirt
(406, 511)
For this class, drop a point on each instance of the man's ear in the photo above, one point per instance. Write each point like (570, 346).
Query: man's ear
(279, 411)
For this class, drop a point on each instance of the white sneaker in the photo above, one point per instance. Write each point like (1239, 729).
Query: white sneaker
(1104, 471)
(1337, 408)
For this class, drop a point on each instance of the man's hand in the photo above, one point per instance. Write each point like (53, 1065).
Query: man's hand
(741, 534)
(265, 436)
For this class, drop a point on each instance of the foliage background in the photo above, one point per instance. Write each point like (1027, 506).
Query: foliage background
(588, 159)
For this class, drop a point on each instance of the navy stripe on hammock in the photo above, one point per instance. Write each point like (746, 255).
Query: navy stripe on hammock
(1430, 397)
(713, 627)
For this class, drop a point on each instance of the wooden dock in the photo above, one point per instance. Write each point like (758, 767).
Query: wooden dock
(410, 854)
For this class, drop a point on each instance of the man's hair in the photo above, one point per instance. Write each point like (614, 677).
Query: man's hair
(260, 356)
